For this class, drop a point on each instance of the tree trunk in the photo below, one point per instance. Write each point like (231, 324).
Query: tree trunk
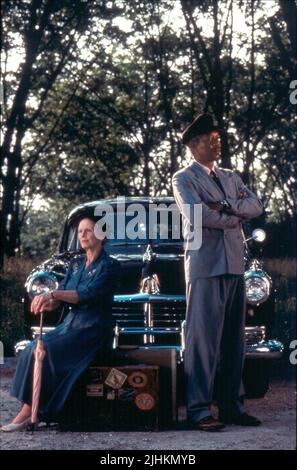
(11, 154)
(210, 70)
(249, 155)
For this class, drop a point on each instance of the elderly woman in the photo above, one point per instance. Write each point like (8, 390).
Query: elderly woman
(87, 329)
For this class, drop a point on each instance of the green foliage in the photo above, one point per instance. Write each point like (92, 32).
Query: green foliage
(284, 274)
(120, 132)
(42, 230)
(13, 277)
(106, 88)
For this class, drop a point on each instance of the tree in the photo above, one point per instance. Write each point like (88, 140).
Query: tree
(259, 110)
(49, 32)
(127, 103)
(105, 88)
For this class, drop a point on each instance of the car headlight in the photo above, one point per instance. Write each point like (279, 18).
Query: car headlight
(41, 283)
(257, 287)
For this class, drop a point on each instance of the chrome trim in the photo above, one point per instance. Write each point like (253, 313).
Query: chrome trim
(20, 346)
(148, 255)
(40, 274)
(254, 334)
(150, 285)
(154, 331)
(35, 330)
(143, 297)
(149, 294)
(254, 271)
(271, 349)
(182, 340)
(148, 323)
(183, 336)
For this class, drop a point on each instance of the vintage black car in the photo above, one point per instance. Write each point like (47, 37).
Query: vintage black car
(149, 307)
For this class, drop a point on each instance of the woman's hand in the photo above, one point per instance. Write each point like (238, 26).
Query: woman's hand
(43, 303)
(46, 303)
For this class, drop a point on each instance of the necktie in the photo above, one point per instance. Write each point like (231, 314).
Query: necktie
(217, 181)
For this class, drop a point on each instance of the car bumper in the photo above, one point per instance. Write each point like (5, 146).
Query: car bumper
(256, 348)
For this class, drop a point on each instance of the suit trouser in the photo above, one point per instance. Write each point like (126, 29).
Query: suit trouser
(214, 344)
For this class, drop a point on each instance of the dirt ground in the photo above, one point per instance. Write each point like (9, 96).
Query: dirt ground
(278, 432)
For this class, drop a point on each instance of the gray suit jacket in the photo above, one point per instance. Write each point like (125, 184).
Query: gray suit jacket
(222, 249)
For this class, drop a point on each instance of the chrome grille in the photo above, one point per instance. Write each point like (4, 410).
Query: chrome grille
(165, 315)
(163, 328)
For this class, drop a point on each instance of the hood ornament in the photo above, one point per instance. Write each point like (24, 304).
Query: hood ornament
(149, 254)
(149, 283)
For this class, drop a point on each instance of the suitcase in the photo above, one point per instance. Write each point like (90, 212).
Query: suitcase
(166, 359)
(121, 393)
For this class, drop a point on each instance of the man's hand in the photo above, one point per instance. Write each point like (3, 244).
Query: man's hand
(215, 206)
(242, 195)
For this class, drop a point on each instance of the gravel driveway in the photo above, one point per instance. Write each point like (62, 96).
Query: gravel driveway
(277, 411)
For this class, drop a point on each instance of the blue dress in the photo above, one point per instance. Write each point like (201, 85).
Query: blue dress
(74, 344)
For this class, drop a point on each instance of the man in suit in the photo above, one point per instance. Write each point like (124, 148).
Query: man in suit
(214, 278)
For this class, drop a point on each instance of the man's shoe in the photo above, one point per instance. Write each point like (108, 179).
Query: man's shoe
(11, 427)
(244, 419)
(209, 424)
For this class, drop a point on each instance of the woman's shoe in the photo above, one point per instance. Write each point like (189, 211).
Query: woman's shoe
(16, 426)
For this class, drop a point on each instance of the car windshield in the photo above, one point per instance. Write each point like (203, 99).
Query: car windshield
(158, 226)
